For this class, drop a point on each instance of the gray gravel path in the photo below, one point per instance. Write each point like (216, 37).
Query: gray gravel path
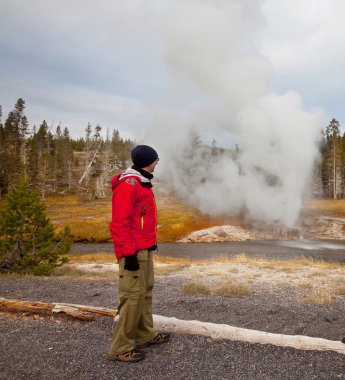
(66, 349)
(62, 348)
(275, 311)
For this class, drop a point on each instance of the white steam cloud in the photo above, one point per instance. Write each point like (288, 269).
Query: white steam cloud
(224, 90)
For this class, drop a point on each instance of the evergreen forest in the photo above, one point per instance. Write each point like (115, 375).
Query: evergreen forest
(55, 163)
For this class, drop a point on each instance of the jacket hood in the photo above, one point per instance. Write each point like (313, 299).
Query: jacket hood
(127, 174)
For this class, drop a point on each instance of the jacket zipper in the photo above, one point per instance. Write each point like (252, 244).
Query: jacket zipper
(143, 211)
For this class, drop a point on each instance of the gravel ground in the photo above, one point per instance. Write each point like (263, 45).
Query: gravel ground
(61, 348)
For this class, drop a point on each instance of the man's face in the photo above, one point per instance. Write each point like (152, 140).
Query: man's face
(151, 167)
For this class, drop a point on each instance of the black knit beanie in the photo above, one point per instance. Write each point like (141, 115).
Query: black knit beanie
(143, 155)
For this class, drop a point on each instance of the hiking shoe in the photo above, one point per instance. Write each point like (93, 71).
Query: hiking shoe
(158, 339)
(129, 357)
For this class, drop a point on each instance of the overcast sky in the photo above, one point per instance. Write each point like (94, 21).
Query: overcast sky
(80, 61)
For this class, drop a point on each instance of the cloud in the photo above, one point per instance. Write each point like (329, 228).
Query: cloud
(79, 61)
(115, 47)
(304, 43)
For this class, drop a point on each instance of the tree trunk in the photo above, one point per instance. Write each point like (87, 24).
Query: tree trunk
(334, 173)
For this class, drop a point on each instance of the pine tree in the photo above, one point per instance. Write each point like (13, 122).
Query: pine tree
(2, 155)
(28, 242)
(342, 163)
(97, 134)
(13, 141)
(332, 177)
(63, 158)
(55, 162)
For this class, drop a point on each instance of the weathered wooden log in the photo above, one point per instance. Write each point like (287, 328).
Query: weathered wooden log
(25, 306)
(222, 331)
(89, 309)
(83, 313)
(213, 330)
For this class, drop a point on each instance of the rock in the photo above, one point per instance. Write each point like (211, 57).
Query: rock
(217, 234)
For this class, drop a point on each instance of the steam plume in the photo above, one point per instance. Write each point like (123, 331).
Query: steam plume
(223, 89)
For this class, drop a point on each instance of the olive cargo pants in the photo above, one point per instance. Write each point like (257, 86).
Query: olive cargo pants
(135, 310)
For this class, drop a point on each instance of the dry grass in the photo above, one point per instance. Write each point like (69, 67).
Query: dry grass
(225, 290)
(87, 220)
(234, 270)
(339, 290)
(329, 207)
(90, 220)
(233, 290)
(305, 285)
(100, 258)
(168, 269)
(317, 273)
(318, 296)
(174, 260)
(105, 257)
(72, 272)
(193, 288)
(69, 271)
(283, 265)
(15, 276)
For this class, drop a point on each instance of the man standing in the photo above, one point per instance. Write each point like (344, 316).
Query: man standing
(134, 232)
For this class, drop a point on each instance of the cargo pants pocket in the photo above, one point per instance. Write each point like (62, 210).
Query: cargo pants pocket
(130, 282)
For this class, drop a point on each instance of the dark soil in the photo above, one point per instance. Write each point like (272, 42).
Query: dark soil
(63, 348)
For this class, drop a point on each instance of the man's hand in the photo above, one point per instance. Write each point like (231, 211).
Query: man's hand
(131, 262)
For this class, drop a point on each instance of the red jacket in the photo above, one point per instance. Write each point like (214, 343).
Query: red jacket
(134, 217)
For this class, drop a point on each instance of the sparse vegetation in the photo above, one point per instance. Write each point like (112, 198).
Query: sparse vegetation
(99, 258)
(317, 273)
(233, 290)
(285, 265)
(168, 269)
(88, 221)
(305, 285)
(340, 290)
(195, 288)
(72, 272)
(318, 296)
(225, 290)
(328, 207)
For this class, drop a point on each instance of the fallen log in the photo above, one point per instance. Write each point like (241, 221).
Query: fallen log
(25, 306)
(34, 307)
(174, 325)
(84, 308)
(222, 331)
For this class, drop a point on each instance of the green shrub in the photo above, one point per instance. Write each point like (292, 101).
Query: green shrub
(28, 242)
